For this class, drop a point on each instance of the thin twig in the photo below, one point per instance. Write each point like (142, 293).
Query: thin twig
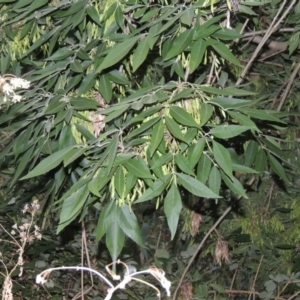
(288, 87)
(252, 290)
(253, 33)
(199, 248)
(273, 27)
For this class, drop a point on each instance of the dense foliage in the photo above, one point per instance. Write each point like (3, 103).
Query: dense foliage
(136, 120)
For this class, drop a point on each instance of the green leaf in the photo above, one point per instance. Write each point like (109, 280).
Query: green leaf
(138, 168)
(150, 14)
(172, 208)
(61, 54)
(107, 216)
(260, 160)
(227, 34)
(41, 40)
(156, 136)
(72, 155)
(117, 53)
(128, 222)
(224, 51)
(47, 164)
(195, 187)
(26, 158)
(206, 32)
(265, 115)
(206, 111)
(115, 239)
(218, 288)
(234, 185)
(182, 116)
(119, 181)
(243, 120)
(250, 153)
(87, 83)
(203, 168)
(142, 128)
(117, 77)
(54, 108)
(153, 36)
(196, 153)
(243, 169)
(71, 207)
(228, 131)
(130, 183)
(222, 157)
(277, 167)
(174, 128)
(117, 112)
(159, 187)
(230, 91)
(198, 49)
(105, 88)
(188, 16)
(162, 160)
(293, 43)
(112, 152)
(214, 180)
(140, 54)
(81, 103)
(183, 164)
(229, 103)
(180, 43)
(93, 14)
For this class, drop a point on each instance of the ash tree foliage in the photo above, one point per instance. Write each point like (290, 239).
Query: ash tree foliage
(131, 102)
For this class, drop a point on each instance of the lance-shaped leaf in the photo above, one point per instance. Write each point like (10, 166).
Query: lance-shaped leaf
(138, 168)
(195, 187)
(234, 185)
(228, 131)
(203, 168)
(214, 180)
(196, 152)
(224, 51)
(222, 157)
(128, 222)
(172, 208)
(156, 136)
(277, 167)
(182, 116)
(71, 207)
(260, 160)
(117, 53)
(250, 153)
(119, 181)
(158, 187)
(174, 129)
(198, 49)
(179, 44)
(105, 88)
(115, 238)
(47, 164)
(206, 111)
(140, 53)
(107, 216)
(183, 164)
